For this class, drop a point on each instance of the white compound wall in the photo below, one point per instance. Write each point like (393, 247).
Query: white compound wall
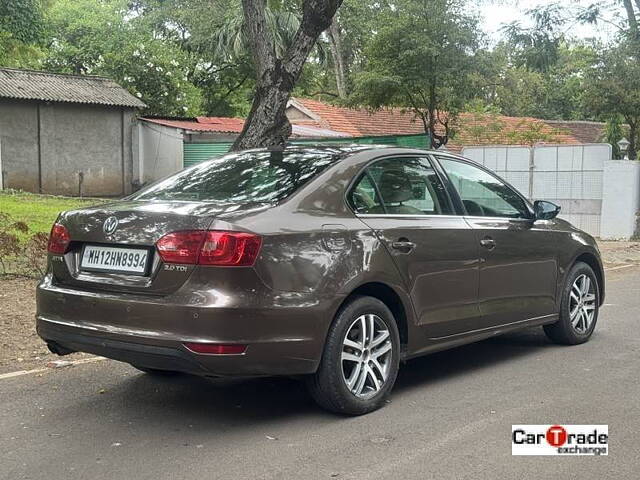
(569, 175)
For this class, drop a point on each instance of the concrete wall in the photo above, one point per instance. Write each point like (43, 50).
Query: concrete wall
(569, 175)
(48, 147)
(621, 200)
(159, 151)
(572, 177)
(19, 145)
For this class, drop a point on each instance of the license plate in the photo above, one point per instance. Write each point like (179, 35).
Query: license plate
(98, 258)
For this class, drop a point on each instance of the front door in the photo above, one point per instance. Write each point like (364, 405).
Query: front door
(518, 259)
(404, 201)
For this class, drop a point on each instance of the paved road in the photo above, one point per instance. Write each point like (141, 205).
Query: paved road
(450, 416)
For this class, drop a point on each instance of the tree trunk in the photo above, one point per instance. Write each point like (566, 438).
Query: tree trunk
(632, 152)
(267, 124)
(432, 129)
(633, 21)
(335, 44)
(425, 125)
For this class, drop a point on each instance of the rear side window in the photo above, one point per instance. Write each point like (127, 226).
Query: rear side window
(400, 186)
(248, 177)
(364, 196)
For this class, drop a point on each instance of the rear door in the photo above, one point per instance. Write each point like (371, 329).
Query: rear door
(518, 259)
(404, 201)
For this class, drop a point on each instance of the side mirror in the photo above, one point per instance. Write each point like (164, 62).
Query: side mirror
(545, 210)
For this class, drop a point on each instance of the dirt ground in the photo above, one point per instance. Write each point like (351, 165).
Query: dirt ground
(620, 253)
(22, 349)
(20, 346)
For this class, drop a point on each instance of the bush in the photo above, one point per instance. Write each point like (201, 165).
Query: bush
(17, 257)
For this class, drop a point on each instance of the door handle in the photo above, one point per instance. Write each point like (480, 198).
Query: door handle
(403, 245)
(488, 243)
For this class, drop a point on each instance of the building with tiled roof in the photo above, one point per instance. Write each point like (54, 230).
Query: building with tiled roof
(585, 132)
(469, 128)
(357, 122)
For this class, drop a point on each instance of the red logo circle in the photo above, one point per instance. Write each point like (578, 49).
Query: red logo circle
(556, 436)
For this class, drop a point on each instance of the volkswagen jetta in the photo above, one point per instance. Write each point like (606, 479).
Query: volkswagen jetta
(329, 263)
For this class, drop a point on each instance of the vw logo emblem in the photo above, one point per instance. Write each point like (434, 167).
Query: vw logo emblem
(110, 224)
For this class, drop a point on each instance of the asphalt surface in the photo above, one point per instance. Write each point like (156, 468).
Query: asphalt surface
(450, 416)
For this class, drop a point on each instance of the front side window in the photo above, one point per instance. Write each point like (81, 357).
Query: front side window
(482, 194)
(241, 178)
(400, 186)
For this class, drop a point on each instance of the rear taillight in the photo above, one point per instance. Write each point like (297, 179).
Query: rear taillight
(59, 239)
(230, 248)
(212, 247)
(181, 247)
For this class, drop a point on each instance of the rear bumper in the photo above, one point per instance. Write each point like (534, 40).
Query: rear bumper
(140, 354)
(280, 341)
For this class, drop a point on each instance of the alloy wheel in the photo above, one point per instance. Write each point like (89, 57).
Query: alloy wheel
(582, 304)
(366, 355)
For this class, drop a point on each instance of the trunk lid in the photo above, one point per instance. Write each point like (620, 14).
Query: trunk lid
(140, 224)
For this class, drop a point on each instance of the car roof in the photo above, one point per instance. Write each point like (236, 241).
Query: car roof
(341, 148)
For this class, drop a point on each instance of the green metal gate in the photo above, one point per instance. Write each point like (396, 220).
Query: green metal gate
(198, 152)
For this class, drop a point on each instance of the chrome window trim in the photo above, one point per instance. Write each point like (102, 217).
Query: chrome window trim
(471, 217)
(509, 219)
(404, 215)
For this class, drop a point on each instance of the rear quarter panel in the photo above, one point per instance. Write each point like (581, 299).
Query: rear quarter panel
(315, 246)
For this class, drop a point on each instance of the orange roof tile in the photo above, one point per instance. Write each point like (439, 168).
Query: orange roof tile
(470, 128)
(360, 122)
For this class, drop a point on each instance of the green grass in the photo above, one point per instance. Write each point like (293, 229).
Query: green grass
(39, 211)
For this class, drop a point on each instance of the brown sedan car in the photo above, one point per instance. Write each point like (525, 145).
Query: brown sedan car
(331, 263)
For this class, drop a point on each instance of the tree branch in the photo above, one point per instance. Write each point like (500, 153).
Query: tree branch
(324, 92)
(316, 18)
(230, 90)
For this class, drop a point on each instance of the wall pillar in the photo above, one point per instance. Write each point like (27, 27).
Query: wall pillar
(620, 200)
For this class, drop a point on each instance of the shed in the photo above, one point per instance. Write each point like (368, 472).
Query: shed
(66, 134)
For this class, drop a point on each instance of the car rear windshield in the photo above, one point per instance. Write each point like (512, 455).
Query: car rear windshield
(246, 177)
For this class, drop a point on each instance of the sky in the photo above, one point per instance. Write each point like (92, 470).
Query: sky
(495, 15)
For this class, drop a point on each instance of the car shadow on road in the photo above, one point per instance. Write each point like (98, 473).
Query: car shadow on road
(188, 400)
(428, 370)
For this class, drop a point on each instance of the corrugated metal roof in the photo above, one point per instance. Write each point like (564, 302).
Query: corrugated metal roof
(53, 87)
(201, 124)
(234, 125)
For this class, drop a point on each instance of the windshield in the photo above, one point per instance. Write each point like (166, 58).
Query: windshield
(245, 177)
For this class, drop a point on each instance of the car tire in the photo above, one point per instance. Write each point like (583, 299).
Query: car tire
(329, 386)
(579, 309)
(156, 372)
